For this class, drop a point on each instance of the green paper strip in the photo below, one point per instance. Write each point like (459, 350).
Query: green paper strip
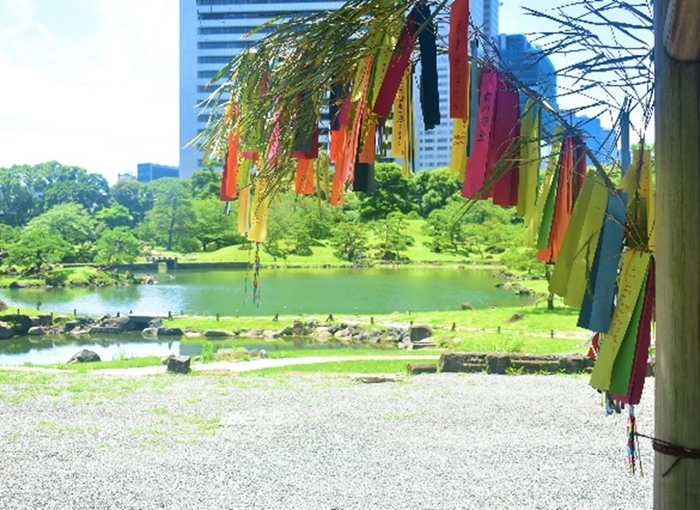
(548, 213)
(622, 368)
(634, 270)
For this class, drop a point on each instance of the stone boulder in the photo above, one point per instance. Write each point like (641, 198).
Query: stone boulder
(420, 331)
(44, 319)
(6, 331)
(179, 364)
(217, 333)
(166, 359)
(36, 331)
(84, 356)
(150, 332)
(301, 329)
(467, 306)
(114, 325)
(164, 331)
(20, 323)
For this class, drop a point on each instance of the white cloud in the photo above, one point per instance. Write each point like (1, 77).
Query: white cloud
(95, 87)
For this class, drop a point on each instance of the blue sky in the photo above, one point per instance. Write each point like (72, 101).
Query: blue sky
(94, 83)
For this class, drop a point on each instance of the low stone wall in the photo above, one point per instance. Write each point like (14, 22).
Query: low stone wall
(504, 363)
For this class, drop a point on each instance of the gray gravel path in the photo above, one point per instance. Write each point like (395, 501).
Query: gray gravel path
(81, 441)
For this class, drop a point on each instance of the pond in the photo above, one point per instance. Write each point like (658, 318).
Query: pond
(60, 348)
(283, 291)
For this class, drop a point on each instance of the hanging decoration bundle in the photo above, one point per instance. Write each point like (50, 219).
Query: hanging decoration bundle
(313, 105)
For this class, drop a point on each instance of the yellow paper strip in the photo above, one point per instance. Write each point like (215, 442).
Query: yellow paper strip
(458, 157)
(243, 210)
(258, 220)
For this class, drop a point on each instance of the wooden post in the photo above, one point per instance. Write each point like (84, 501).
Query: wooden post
(677, 146)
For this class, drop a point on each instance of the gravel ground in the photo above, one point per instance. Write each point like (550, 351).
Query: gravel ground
(74, 441)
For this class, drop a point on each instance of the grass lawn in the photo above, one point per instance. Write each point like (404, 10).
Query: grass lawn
(147, 361)
(341, 367)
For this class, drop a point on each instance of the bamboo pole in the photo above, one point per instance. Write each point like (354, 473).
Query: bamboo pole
(678, 270)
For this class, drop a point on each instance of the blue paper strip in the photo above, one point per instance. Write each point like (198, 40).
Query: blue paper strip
(597, 308)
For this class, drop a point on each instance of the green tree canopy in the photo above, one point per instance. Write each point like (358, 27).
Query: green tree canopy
(116, 215)
(172, 221)
(393, 194)
(135, 196)
(434, 188)
(36, 248)
(117, 246)
(69, 220)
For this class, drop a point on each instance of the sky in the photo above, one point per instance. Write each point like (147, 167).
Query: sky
(89, 83)
(94, 83)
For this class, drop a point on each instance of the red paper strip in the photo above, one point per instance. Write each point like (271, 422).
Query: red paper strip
(563, 205)
(506, 133)
(397, 66)
(459, 59)
(475, 173)
(304, 182)
(368, 146)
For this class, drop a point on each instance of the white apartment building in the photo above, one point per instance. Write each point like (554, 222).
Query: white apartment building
(211, 34)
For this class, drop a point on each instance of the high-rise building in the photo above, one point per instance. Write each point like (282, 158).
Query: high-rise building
(533, 68)
(147, 172)
(211, 34)
(435, 145)
(602, 142)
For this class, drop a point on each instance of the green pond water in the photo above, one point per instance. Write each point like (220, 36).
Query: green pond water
(283, 291)
(229, 292)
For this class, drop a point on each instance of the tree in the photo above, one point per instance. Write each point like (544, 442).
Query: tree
(171, 222)
(391, 237)
(206, 182)
(213, 228)
(116, 215)
(18, 200)
(393, 194)
(70, 220)
(117, 246)
(433, 189)
(37, 248)
(445, 226)
(135, 196)
(349, 241)
(73, 184)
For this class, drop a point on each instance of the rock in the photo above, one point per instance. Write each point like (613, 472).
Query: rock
(116, 324)
(300, 329)
(3, 305)
(165, 359)
(84, 356)
(420, 331)
(252, 333)
(516, 317)
(36, 331)
(97, 330)
(150, 332)
(462, 362)
(6, 331)
(425, 343)
(269, 334)
(263, 354)
(20, 323)
(70, 326)
(179, 364)
(44, 319)
(164, 331)
(378, 378)
(217, 333)
(16, 285)
(322, 334)
(467, 306)
(288, 331)
(421, 368)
